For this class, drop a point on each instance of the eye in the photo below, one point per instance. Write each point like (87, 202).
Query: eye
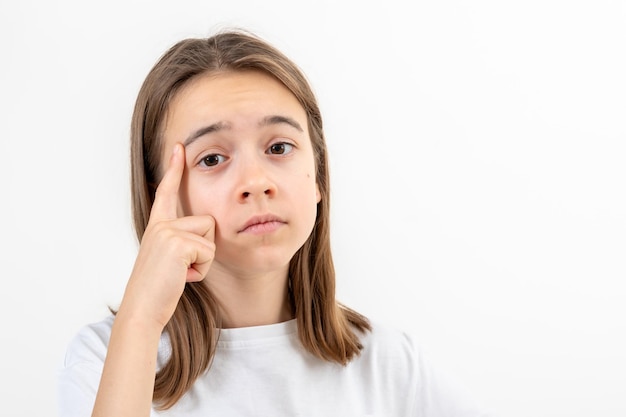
(212, 160)
(280, 148)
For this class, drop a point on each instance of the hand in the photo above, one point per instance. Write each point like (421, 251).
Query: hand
(174, 250)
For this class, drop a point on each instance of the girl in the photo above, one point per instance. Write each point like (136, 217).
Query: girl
(230, 308)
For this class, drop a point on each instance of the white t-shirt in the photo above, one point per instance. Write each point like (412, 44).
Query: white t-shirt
(265, 371)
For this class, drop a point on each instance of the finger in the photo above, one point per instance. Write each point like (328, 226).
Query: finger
(165, 205)
(203, 226)
(201, 229)
(204, 255)
(197, 256)
(209, 233)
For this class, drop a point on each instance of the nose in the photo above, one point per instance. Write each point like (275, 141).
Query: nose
(254, 182)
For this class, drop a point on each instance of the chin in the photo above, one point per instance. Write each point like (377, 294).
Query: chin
(256, 261)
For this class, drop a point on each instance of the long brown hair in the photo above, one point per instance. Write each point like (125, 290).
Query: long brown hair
(326, 328)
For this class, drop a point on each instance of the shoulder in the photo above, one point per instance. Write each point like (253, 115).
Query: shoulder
(90, 343)
(394, 356)
(391, 354)
(81, 367)
(390, 342)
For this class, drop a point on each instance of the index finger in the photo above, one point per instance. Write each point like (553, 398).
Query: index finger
(165, 206)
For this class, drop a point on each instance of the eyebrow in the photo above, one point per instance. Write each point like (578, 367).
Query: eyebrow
(266, 121)
(215, 127)
(276, 120)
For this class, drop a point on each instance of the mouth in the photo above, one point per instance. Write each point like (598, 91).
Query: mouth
(262, 224)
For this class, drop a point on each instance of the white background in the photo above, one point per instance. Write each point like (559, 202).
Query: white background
(478, 165)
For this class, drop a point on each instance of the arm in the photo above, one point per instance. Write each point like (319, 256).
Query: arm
(127, 380)
(173, 251)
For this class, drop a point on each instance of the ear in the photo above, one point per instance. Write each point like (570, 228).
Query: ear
(318, 194)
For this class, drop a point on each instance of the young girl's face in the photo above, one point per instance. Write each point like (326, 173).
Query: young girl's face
(249, 164)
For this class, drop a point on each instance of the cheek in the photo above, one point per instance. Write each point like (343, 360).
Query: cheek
(312, 181)
(309, 193)
(198, 198)
(318, 193)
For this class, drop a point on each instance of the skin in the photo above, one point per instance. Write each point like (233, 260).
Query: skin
(237, 199)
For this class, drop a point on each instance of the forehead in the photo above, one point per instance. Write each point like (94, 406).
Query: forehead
(236, 98)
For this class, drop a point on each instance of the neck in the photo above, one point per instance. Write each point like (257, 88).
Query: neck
(252, 300)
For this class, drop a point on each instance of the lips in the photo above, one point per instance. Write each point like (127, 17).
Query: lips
(264, 223)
